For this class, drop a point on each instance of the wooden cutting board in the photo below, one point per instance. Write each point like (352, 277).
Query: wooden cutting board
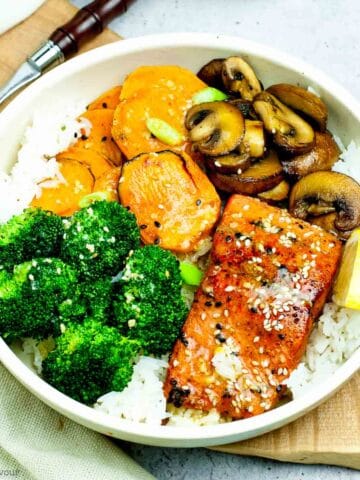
(331, 433)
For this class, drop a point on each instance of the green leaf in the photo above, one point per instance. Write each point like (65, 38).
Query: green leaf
(164, 132)
(93, 197)
(190, 274)
(208, 94)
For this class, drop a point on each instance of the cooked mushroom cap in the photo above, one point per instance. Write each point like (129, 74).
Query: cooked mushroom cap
(245, 107)
(276, 194)
(231, 163)
(303, 101)
(322, 156)
(263, 175)
(290, 131)
(324, 192)
(211, 73)
(216, 128)
(327, 222)
(254, 139)
(239, 78)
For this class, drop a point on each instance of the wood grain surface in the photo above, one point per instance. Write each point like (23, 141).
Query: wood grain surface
(330, 434)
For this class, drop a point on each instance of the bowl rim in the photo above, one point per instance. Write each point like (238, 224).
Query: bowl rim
(170, 435)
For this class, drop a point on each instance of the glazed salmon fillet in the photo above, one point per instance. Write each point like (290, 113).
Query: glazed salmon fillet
(269, 277)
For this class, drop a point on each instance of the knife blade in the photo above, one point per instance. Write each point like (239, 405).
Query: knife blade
(64, 42)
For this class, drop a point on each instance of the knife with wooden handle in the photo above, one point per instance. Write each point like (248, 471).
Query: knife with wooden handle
(64, 42)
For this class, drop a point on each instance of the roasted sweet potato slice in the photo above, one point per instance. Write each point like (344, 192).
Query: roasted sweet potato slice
(161, 92)
(175, 204)
(108, 99)
(100, 139)
(108, 183)
(182, 82)
(62, 196)
(129, 127)
(94, 160)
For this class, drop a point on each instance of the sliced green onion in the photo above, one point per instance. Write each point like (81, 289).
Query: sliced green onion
(164, 132)
(93, 197)
(190, 274)
(208, 94)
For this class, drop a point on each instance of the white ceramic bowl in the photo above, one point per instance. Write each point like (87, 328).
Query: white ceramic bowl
(87, 76)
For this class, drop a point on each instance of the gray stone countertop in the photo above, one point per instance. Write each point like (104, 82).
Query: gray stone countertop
(325, 33)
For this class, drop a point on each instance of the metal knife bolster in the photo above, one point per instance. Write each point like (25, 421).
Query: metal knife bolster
(46, 56)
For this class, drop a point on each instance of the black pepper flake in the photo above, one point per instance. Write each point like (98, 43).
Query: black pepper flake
(176, 396)
(228, 238)
(253, 310)
(218, 304)
(273, 371)
(157, 224)
(104, 138)
(281, 336)
(208, 303)
(84, 137)
(198, 202)
(220, 338)
(238, 235)
(157, 241)
(173, 382)
(75, 135)
(226, 394)
(143, 226)
(268, 249)
(183, 339)
(104, 105)
(219, 326)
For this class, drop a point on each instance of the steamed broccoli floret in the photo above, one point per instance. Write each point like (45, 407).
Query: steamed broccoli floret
(98, 238)
(90, 359)
(90, 299)
(149, 305)
(33, 233)
(29, 297)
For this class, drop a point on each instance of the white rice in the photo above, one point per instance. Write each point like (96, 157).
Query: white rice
(38, 350)
(142, 400)
(349, 162)
(49, 134)
(334, 339)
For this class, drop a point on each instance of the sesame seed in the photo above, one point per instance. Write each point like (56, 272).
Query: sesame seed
(229, 288)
